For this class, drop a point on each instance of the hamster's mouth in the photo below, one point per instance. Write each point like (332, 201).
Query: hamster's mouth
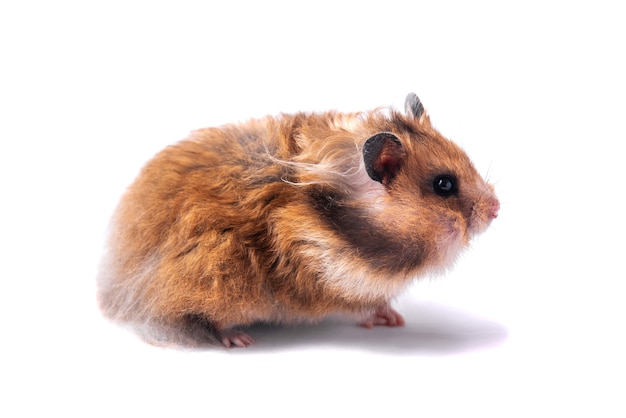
(483, 212)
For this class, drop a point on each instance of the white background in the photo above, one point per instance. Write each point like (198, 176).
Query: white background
(530, 321)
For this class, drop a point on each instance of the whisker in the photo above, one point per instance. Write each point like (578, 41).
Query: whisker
(488, 173)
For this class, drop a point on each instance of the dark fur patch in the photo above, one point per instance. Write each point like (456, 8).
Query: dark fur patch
(376, 247)
(194, 330)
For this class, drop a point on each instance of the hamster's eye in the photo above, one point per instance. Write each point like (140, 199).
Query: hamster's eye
(445, 185)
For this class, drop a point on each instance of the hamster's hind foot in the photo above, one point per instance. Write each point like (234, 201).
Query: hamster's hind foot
(236, 339)
(383, 315)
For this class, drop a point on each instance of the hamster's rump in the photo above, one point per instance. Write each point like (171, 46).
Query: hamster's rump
(288, 219)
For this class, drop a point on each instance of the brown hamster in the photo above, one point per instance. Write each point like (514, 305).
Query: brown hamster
(287, 219)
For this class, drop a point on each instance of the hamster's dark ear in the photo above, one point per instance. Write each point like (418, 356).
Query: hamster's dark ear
(383, 155)
(413, 106)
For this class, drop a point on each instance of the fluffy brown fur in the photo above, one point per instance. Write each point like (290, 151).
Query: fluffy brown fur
(280, 220)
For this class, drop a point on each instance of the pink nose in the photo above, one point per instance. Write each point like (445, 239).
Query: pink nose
(495, 207)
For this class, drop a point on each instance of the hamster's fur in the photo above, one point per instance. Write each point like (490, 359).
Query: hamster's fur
(288, 219)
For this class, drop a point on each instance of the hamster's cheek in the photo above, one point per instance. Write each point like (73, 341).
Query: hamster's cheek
(451, 239)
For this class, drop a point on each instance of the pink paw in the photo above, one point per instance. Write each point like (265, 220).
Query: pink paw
(236, 339)
(383, 315)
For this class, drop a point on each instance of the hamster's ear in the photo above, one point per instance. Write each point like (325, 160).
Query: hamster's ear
(413, 106)
(383, 155)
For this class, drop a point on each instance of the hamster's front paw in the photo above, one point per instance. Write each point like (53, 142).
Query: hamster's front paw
(383, 315)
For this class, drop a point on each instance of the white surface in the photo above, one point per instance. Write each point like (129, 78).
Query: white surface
(529, 323)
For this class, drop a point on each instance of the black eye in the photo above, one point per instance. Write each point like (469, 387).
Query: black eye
(445, 185)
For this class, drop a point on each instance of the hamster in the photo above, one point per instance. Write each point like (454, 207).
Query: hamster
(288, 219)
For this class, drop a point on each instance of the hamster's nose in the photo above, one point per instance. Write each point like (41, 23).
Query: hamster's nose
(495, 208)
